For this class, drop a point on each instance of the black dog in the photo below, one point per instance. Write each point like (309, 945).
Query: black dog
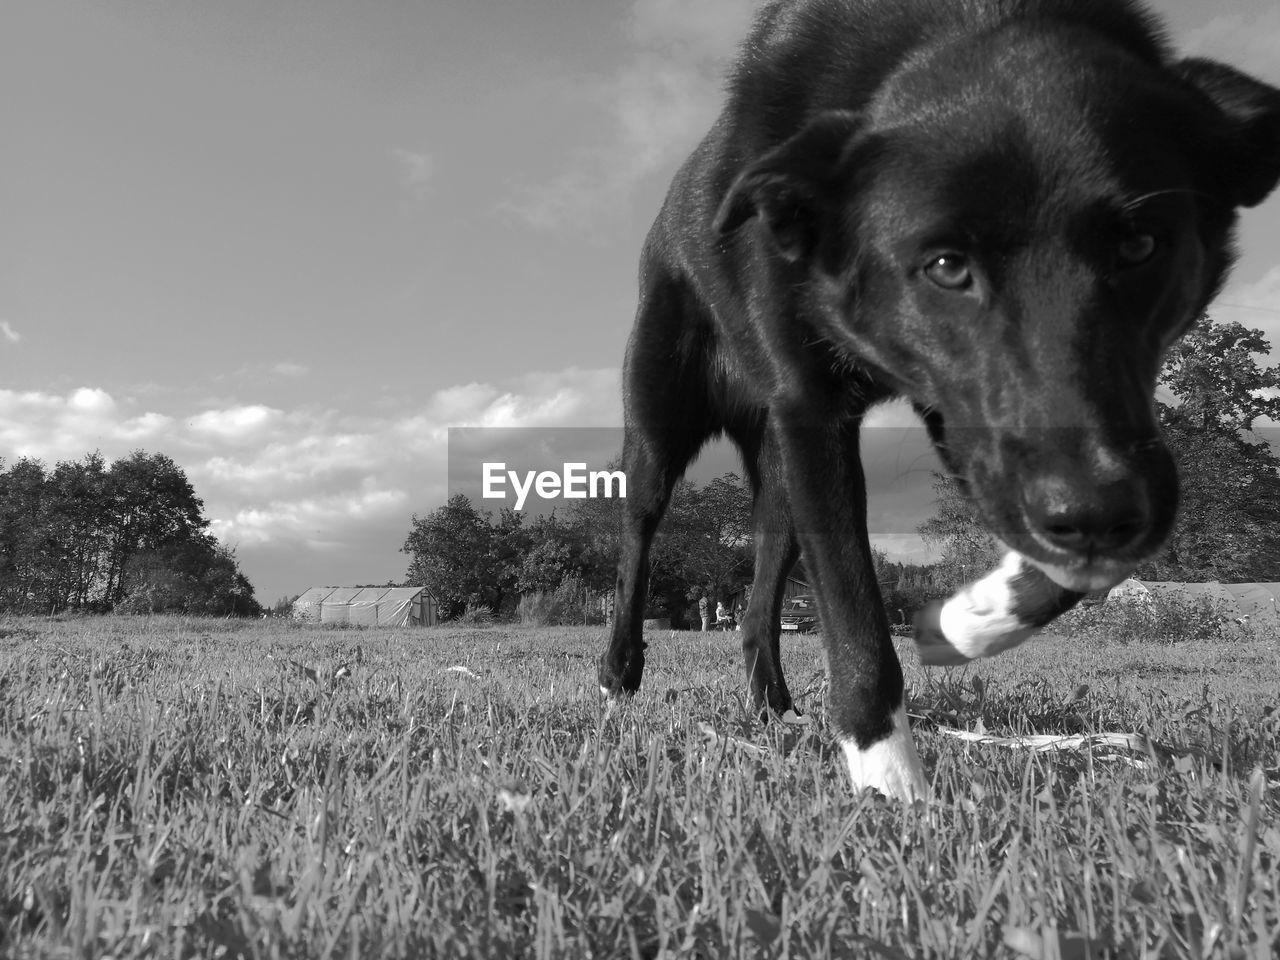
(1003, 210)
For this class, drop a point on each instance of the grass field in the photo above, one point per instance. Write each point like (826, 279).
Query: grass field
(179, 788)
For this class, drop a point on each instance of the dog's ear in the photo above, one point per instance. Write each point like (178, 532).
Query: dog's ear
(793, 187)
(1246, 147)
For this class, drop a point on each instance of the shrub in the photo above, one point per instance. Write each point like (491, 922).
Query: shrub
(580, 606)
(538, 608)
(1158, 617)
(476, 615)
(571, 604)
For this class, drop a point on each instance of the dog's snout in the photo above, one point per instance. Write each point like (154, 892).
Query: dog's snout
(1071, 513)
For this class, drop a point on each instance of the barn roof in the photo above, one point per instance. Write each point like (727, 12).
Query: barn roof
(362, 594)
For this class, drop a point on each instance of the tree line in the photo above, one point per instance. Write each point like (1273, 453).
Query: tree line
(129, 536)
(472, 558)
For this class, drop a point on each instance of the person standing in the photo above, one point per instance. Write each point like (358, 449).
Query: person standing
(704, 611)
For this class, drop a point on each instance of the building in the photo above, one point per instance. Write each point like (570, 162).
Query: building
(368, 606)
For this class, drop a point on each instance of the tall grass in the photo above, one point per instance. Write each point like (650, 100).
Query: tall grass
(178, 788)
(569, 604)
(1165, 618)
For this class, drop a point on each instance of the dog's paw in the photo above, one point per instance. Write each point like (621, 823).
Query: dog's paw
(795, 719)
(990, 615)
(616, 696)
(890, 766)
(932, 645)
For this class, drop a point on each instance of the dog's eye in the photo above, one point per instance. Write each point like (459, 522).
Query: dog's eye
(1135, 248)
(949, 271)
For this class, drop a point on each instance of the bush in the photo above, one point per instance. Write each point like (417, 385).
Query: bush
(476, 615)
(579, 606)
(538, 608)
(571, 604)
(1161, 618)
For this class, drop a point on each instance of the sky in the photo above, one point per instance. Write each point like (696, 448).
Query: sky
(289, 245)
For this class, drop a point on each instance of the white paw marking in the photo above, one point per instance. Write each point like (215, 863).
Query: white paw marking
(604, 692)
(979, 621)
(794, 718)
(932, 645)
(890, 766)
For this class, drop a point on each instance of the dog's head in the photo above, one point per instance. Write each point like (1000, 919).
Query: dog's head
(1012, 233)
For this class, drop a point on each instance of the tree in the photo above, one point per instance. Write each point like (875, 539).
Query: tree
(223, 589)
(711, 527)
(704, 543)
(196, 576)
(456, 557)
(25, 566)
(465, 556)
(907, 587)
(594, 526)
(555, 551)
(968, 549)
(1228, 524)
(508, 545)
(77, 529)
(88, 535)
(1217, 380)
(151, 505)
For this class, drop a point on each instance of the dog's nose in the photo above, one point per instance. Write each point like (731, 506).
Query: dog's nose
(1072, 513)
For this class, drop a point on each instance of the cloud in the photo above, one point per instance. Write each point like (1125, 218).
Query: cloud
(91, 400)
(317, 522)
(237, 425)
(257, 372)
(712, 28)
(283, 483)
(655, 106)
(287, 368)
(51, 426)
(664, 94)
(145, 428)
(417, 170)
(9, 334)
(573, 396)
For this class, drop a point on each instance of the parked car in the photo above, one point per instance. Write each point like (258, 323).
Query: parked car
(800, 614)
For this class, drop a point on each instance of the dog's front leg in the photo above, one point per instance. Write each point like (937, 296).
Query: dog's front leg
(867, 707)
